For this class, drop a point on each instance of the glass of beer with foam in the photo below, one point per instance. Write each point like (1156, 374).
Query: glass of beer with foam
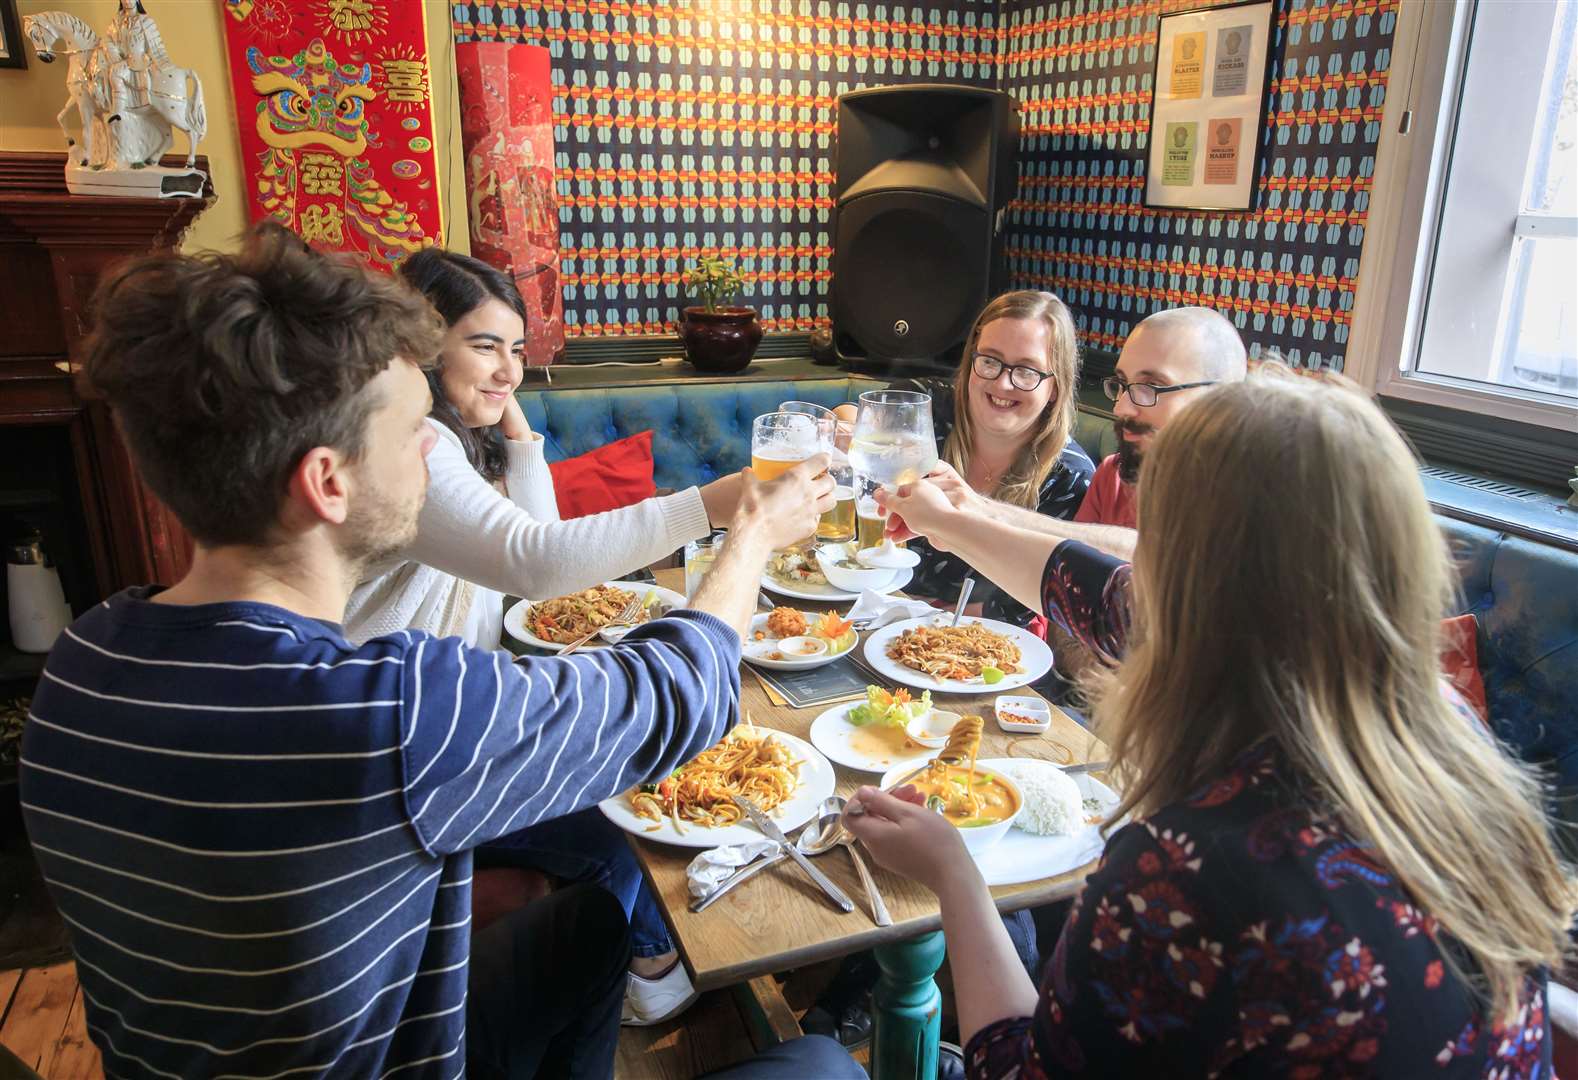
(782, 440)
(838, 524)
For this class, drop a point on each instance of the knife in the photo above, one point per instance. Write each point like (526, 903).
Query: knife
(1089, 766)
(775, 834)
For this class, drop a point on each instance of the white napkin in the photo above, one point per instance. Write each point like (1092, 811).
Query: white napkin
(881, 610)
(715, 865)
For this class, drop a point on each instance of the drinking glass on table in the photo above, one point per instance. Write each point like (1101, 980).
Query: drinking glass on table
(700, 554)
(893, 445)
(838, 524)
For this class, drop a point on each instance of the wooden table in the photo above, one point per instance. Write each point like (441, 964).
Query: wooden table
(781, 920)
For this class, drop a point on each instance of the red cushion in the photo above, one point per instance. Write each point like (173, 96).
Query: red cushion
(1460, 662)
(607, 478)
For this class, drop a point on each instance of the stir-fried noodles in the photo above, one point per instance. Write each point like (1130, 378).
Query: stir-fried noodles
(954, 652)
(748, 762)
(566, 618)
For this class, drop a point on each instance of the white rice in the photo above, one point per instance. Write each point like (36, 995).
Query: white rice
(1053, 804)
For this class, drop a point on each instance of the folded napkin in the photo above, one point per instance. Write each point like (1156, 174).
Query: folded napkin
(881, 610)
(715, 865)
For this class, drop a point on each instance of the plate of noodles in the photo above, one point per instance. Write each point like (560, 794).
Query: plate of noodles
(553, 624)
(977, 656)
(785, 776)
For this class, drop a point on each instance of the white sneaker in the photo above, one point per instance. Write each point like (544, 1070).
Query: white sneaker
(652, 1001)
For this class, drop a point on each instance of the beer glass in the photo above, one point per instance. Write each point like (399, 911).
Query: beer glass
(838, 524)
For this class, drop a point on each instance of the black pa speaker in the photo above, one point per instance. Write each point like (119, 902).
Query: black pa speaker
(922, 174)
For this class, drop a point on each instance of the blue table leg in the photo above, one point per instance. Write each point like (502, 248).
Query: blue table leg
(907, 1010)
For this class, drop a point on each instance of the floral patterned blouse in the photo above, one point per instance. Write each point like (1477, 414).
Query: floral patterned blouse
(941, 573)
(1243, 932)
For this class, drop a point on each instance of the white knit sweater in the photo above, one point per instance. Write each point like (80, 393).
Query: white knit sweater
(470, 533)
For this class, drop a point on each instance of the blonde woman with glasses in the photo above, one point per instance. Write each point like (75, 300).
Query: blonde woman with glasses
(1331, 869)
(1005, 424)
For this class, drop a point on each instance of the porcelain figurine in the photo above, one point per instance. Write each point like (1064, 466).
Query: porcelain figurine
(129, 98)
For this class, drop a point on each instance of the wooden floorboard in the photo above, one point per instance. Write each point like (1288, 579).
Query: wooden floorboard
(45, 1027)
(709, 1035)
(39, 1011)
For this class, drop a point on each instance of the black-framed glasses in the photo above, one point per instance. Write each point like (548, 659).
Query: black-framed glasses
(1023, 376)
(1143, 394)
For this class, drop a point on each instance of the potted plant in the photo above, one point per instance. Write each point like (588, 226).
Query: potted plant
(717, 338)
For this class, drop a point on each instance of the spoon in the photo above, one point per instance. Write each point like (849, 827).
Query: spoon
(814, 839)
(827, 822)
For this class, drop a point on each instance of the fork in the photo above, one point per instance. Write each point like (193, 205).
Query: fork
(627, 617)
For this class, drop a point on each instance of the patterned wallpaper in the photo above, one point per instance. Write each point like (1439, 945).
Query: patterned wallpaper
(1081, 71)
(703, 125)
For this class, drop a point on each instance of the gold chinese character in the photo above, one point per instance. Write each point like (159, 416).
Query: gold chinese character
(350, 16)
(406, 80)
(322, 174)
(323, 222)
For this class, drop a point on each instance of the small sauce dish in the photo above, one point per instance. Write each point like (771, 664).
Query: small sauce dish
(1022, 715)
(802, 648)
(888, 556)
(931, 728)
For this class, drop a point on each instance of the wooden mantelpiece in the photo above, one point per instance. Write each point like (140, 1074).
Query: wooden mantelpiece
(54, 247)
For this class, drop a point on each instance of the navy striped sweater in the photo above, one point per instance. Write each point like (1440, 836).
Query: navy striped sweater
(259, 834)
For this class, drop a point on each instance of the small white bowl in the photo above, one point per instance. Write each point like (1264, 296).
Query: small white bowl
(1037, 714)
(981, 837)
(850, 580)
(931, 728)
(802, 648)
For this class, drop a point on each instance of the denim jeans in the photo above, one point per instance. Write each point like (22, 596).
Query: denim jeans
(587, 847)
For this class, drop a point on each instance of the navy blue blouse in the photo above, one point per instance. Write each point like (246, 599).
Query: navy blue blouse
(941, 573)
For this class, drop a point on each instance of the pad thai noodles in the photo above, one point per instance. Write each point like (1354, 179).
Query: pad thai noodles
(566, 618)
(748, 762)
(954, 652)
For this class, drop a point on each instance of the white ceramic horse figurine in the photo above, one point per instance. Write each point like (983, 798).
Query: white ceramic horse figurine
(59, 33)
(133, 137)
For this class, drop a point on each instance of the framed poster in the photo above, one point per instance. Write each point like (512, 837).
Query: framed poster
(12, 52)
(1208, 107)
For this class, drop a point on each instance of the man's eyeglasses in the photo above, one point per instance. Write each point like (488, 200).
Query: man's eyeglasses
(1023, 376)
(1143, 394)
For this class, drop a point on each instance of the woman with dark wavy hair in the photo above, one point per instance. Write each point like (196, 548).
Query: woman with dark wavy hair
(491, 527)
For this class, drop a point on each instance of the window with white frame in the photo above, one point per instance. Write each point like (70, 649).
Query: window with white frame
(1473, 247)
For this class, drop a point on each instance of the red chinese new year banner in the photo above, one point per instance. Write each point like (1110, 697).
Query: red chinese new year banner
(334, 112)
(506, 130)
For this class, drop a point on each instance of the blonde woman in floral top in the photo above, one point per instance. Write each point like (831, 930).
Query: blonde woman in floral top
(1329, 869)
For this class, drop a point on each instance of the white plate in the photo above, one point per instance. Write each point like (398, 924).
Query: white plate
(1020, 856)
(807, 591)
(515, 617)
(816, 783)
(1034, 657)
(858, 748)
(757, 652)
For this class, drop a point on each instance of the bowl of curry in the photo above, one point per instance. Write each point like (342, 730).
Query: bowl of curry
(982, 803)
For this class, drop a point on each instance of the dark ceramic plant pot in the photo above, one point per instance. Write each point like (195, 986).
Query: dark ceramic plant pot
(722, 341)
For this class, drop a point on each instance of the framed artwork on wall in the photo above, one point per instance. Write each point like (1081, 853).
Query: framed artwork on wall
(1208, 107)
(13, 53)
